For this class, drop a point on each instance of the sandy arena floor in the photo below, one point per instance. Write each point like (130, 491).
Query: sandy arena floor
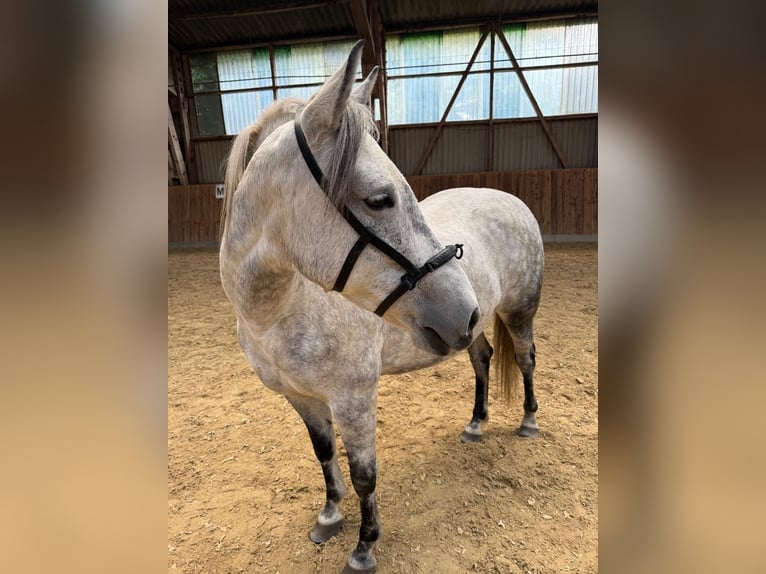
(244, 487)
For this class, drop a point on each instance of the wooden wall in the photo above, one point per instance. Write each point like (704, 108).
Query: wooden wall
(193, 213)
(565, 201)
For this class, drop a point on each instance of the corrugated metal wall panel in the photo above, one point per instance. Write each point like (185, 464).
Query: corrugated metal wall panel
(326, 20)
(462, 148)
(517, 146)
(523, 145)
(406, 146)
(459, 149)
(398, 14)
(578, 140)
(209, 156)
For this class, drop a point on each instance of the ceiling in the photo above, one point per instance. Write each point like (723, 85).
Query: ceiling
(205, 24)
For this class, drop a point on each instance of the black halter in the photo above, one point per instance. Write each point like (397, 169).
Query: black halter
(367, 236)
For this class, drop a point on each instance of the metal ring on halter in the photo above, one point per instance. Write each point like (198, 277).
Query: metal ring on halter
(367, 236)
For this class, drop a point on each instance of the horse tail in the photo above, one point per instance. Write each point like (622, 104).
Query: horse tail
(242, 149)
(506, 368)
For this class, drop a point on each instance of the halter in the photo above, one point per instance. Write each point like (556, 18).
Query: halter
(367, 236)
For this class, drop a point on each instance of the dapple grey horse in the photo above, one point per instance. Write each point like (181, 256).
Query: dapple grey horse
(318, 226)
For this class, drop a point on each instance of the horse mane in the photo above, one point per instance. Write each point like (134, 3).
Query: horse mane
(355, 122)
(246, 142)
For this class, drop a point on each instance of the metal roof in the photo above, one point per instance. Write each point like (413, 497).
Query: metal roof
(204, 24)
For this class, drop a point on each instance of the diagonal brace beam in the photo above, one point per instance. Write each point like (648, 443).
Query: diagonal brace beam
(532, 99)
(440, 127)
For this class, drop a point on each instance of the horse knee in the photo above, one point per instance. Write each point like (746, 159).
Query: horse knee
(364, 475)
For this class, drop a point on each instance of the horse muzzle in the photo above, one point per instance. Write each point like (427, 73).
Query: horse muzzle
(443, 337)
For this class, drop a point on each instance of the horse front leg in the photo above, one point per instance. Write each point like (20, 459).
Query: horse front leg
(357, 419)
(480, 353)
(318, 419)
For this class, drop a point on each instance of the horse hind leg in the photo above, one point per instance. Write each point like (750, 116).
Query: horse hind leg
(318, 419)
(480, 353)
(524, 347)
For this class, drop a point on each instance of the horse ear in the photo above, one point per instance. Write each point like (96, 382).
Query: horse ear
(325, 108)
(363, 91)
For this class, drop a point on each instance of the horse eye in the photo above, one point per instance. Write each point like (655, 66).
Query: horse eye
(380, 201)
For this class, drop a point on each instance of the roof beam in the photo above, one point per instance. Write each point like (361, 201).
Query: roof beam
(266, 8)
(362, 23)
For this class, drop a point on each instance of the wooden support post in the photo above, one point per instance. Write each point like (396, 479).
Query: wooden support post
(171, 168)
(532, 99)
(191, 111)
(440, 127)
(359, 14)
(370, 28)
(273, 65)
(183, 107)
(175, 150)
(491, 124)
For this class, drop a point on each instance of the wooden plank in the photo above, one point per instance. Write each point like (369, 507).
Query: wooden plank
(545, 217)
(183, 105)
(191, 112)
(565, 214)
(175, 150)
(362, 24)
(578, 202)
(555, 185)
(493, 180)
(570, 203)
(590, 202)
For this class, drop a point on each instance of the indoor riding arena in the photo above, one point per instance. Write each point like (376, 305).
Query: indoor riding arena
(497, 94)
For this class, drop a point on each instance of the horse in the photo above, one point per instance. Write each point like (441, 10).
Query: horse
(317, 228)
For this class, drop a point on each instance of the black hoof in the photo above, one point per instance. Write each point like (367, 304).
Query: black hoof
(323, 532)
(527, 432)
(470, 437)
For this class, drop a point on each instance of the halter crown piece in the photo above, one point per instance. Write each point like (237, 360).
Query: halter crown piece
(412, 275)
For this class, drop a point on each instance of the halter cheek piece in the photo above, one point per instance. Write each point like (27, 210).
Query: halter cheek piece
(367, 236)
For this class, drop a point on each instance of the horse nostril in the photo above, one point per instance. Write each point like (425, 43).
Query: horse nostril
(474, 319)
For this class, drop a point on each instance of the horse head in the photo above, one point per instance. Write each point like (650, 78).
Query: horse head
(316, 214)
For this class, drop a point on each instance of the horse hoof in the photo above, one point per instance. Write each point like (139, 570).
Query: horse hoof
(470, 437)
(323, 532)
(527, 432)
(368, 570)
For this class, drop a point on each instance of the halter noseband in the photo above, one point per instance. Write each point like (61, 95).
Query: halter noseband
(367, 236)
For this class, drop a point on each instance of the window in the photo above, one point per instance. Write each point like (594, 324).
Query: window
(559, 60)
(232, 88)
(424, 70)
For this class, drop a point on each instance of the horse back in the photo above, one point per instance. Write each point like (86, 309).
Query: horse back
(503, 248)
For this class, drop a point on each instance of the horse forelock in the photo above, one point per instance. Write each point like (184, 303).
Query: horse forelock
(356, 122)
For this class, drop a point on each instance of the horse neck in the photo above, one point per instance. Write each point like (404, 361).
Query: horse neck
(255, 270)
